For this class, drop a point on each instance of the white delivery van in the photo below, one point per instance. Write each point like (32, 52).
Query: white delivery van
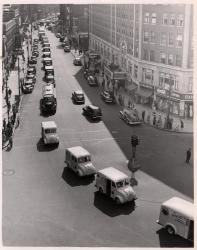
(79, 160)
(177, 216)
(115, 184)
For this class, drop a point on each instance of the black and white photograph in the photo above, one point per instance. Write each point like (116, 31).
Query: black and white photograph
(98, 124)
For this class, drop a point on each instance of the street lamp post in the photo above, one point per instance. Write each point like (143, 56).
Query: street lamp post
(19, 87)
(6, 96)
(169, 101)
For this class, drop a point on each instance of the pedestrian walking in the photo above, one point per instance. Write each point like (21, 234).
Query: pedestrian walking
(188, 155)
(154, 120)
(143, 115)
(9, 92)
(182, 124)
(4, 124)
(134, 144)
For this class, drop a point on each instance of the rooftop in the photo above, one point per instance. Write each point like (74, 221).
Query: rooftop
(113, 174)
(78, 151)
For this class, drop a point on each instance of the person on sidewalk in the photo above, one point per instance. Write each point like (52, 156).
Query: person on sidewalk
(4, 124)
(188, 155)
(143, 115)
(182, 124)
(9, 92)
(154, 120)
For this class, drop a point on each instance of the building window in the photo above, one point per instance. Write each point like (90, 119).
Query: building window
(170, 59)
(171, 39)
(165, 19)
(146, 36)
(163, 38)
(172, 19)
(175, 84)
(154, 18)
(152, 55)
(190, 84)
(130, 68)
(145, 54)
(178, 60)
(163, 57)
(180, 20)
(147, 75)
(152, 37)
(135, 71)
(179, 40)
(146, 17)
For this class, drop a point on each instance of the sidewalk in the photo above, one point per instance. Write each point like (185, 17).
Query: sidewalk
(176, 126)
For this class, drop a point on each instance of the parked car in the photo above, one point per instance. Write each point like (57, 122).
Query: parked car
(35, 40)
(31, 77)
(33, 60)
(67, 48)
(77, 61)
(48, 101)
(32, 67)
(92, 112)
(87, 73)
(27, 86)
(130, 116)
(49, 133)
(79, 160)
(107, 96)
(35, 53)
(31, 70)
(46, 49)
(78, 97)
(92, 80)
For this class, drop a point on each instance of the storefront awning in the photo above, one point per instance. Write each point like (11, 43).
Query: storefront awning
(144, 92)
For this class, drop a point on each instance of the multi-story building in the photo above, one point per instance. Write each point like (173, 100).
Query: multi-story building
(152, 44)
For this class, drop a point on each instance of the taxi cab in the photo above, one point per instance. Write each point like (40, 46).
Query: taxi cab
(79, 160)
(49, 133)
(115, 184)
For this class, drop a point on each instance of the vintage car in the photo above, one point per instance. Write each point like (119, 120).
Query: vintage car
(32, 60)
(47, 61)
(92, 80)
(46, 54)
(46, 49)
(77, 61)
(66, 48)
(107, 96)
(130, 116)
(27, 86)
(32, 77)
(79, 160)
(92, 112)
(78, 97)
(48, 101)
(35, 53)
(49, 72)
(49, 133)
(87, 73)
(31, 70)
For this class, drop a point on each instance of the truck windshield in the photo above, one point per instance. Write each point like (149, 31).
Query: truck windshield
(50, 131)
(84, 159)
(119, 184)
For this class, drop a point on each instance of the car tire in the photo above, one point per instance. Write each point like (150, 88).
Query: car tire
(170, 230)
(117, 200)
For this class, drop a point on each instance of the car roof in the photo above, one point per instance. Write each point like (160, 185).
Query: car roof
(78, 151)
(92, 106)
(181, 206)
(79, 92)
(49, 124)
(113, 174)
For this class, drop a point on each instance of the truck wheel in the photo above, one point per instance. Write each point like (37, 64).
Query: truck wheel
(117, 200)
(170, 230)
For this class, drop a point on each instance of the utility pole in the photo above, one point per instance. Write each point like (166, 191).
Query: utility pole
(169, 101)
(6, 96)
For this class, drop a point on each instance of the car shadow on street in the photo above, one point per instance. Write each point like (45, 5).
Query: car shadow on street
(74, 180)
(45, 148)
(167, 240)
(110, 208)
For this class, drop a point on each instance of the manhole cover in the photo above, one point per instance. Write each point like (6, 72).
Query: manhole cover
(8, 172)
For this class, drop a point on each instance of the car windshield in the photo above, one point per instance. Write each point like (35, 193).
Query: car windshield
(84, 159)
(49, 98)
(120, 184)
(79, 95)
(50, 131)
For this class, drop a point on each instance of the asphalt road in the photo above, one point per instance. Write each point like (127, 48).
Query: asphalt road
(44, 204)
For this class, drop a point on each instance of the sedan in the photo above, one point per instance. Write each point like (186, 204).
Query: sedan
(130, 116)
(107, 96)
(35, 53)
(78, 97)
(67, 48)
(92, 112)
(77, 61)
(92, 80)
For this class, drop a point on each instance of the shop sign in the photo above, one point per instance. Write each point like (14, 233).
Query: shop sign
(119, 75)
(161, 91)
(187, 97)
(108, 72)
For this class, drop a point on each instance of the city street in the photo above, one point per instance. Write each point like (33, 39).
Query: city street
(45, 204)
